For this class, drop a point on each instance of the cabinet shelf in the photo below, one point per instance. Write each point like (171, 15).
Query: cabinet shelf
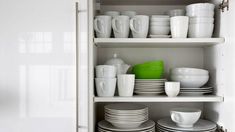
(156, 42)
(163, 98)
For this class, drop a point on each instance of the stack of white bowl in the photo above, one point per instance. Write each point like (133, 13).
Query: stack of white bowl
(201, 23)
(159, 25)
(126, 115)
(190, 77)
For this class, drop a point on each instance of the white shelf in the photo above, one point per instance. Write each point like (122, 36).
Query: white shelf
(156, 42)
(163, 98)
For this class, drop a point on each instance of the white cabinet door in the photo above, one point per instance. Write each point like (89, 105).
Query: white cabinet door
(37, 66)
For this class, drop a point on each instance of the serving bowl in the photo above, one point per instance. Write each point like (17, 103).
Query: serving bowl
(188, 71)
(201, 30)
(190, 81)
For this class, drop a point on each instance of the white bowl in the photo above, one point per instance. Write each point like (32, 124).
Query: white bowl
(157, 18)
(200, 13)
(200, 30)
(190, 81)
(200, 6)
(159, 30)
(176, 12)
(195, 20)
(160, 23)
(185, 117)
(189, 71)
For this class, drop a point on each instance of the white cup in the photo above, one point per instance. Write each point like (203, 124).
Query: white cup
(121, 27)
(112, 13)
(126, 84)
(129, 13)
(139, 25)
(172, 89)
(105, 87)
(185, 117)
(105, 71)
(102, 26)
(179, 26)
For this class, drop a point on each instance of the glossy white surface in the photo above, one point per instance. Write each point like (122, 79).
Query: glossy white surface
(38, 69)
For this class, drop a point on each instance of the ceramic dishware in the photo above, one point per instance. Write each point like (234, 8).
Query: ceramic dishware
(176, 12)
(201, 30)
(105, 87)
(126, 84)
(112, 13)
(172, 89)
(188, 71)
(185, 117)
(105, 71)
(200, 9)
(102, 26)
(131, 14)
(121, 26)
(179, 26)
(190, 80)
(139, 25)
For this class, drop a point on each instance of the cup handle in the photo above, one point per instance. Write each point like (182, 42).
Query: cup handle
(96, 25)
(132, 25)
(102, 86)
(176, 117)
(114, 22)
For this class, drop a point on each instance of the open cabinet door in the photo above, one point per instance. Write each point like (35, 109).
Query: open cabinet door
(223, 60)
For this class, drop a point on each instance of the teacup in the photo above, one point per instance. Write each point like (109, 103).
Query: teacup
(185, 117)
(126, 84)
(172, 89)
(105, 87)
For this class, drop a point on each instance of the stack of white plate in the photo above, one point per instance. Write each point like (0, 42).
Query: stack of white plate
(201, 22)
(148, 126)
(126, 115)
(167, 125)
(159, 26)
(149, 86)
(196, 91)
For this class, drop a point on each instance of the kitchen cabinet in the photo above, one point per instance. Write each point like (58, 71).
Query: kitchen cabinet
(214, 54)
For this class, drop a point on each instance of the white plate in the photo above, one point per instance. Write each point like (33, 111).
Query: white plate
(201, 125)
(129, 107)
(159, 36)
(108, 126)
(164, 129)
(199, 88)
(147, 130)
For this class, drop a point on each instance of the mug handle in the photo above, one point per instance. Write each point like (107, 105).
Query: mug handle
(132, 25)
(96, 25)
(176, 117)
(102, 86)
(114, 22)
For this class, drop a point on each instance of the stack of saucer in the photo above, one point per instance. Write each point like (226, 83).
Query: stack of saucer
(126, 115)
(149, 86)
(196, 91)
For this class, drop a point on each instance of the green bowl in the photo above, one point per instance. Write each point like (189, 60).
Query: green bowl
(149, 70)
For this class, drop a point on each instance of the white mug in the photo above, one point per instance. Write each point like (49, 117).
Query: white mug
(185, 117)
(179, 26)
(129, 13)
(105, 71)
(102, 26)
(112, 13)
(139, 25)
(126, 84)
(105, 87)
(121, 27)
(172, 89)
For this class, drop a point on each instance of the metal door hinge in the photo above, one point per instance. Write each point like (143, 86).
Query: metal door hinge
(221, 129)
(223, 5)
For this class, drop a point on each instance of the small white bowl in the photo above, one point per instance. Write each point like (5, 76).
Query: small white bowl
(189, 71)
(176, 12)
(190, 81)
(159, 30)
(160, 23)
(185, 117)
(156, 18)
(200, 13)
(195, 20)
(200, 6)
(200, 30)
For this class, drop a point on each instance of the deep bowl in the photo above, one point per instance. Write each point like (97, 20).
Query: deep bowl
(190, 81)
(188, 71)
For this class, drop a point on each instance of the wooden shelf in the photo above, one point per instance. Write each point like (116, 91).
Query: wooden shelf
(156, 42)
(163, 98)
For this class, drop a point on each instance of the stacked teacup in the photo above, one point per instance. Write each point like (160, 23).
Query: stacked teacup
(201, 23)
(159, 25)
(105, 80)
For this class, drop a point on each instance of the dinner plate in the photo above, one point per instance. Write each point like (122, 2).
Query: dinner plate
(108, 126)
(126, 107)
(201, 125)
(199, 88)
(147, 130)
(163, 129)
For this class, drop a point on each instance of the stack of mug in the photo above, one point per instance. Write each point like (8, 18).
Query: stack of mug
(120, 24)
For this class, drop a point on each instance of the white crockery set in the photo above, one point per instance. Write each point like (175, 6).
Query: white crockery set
(126, 117)
(185, 120)
(159, 26)
(106, 78)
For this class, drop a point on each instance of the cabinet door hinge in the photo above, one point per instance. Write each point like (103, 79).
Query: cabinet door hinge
(223, 5)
